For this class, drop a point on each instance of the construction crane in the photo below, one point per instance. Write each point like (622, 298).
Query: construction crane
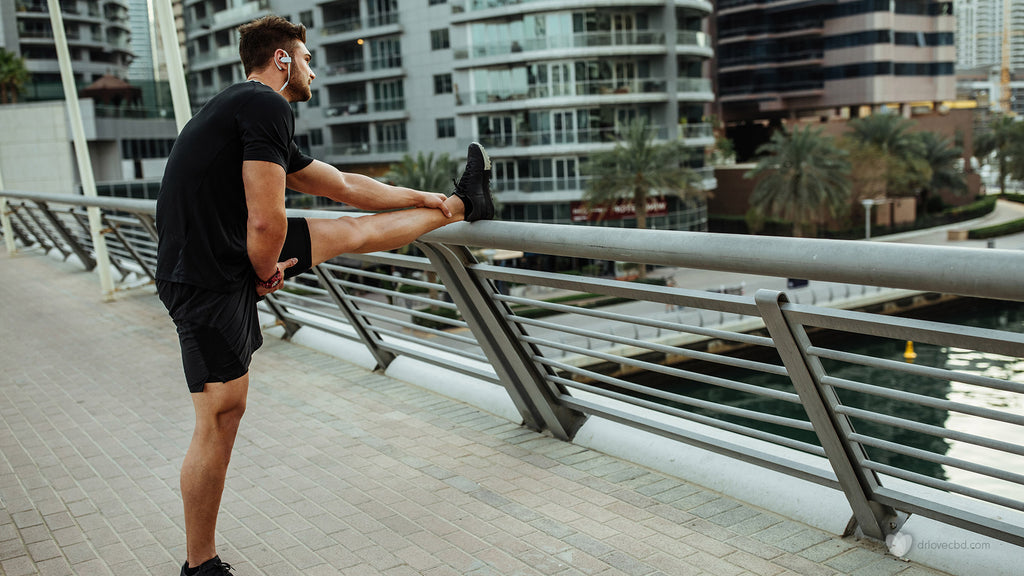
(1004, 67)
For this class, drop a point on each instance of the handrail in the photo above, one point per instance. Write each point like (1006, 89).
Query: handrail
(985, 273)
(565, 360)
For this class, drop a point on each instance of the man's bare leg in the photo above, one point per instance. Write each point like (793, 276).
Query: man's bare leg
(219, 410)
(376, 232)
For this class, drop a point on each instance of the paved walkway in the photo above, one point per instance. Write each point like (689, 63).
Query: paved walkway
(336, 470)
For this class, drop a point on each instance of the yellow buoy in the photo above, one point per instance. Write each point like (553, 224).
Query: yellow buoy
(909, 353)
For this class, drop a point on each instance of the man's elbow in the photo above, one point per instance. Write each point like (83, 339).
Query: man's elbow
(269, 227)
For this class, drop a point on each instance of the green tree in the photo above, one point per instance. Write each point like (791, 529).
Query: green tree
(803, 176)
(637, 167)
(424, 173)
(943, 160)
(906, 170)
(1001, 137)
(13, 76)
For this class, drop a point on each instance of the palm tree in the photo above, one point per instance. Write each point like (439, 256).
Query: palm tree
(13, 76)
(636, 167)
(424, 172)
(942, 158)
(802, 175)
(1000, 136)
(905, 168)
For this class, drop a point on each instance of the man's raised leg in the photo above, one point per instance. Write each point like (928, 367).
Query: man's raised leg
(331, 237)
(219, 410)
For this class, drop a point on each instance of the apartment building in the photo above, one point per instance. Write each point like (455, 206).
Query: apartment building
(788, 59)
(98, 34)
(541, 84)
(982, 26)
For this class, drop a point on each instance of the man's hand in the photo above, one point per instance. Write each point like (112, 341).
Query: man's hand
(281, 267)
(435, 200)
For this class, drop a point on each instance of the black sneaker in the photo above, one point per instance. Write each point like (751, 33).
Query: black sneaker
(212, 567)
(474, 186)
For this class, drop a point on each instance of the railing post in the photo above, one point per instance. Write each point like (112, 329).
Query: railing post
(533, 395)
(833, 430)
(278, 310)
(128, 246)
(70, 240)
(37, 234)
(368, 336)
(21, 229)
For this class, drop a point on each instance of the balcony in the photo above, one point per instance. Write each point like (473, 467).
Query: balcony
(359, 23)
(580, 40)
(610, 88)
(361, 151)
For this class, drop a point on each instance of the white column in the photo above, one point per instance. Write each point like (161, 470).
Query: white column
(81, 148)
(172, 55)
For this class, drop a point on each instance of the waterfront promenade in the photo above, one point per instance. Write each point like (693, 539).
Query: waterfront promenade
(337, 470)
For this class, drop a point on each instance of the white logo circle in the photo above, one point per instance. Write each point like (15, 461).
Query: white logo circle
(899, 543)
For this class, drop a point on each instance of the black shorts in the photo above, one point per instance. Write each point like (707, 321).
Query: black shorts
(219, 331)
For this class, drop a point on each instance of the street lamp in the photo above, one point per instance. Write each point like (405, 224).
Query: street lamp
(868, 203)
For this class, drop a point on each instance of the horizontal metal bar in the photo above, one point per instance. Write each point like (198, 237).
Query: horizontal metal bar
(670, 371)
(104, 202)
(363, 287)
(319, 325)
(943, 485)
(384, 277)
(610, 287)
(938, 458)
(653, 323)
(429, 344)
(917, 370)
(922, 400)
(954, 516)
(392, 259)
(654, 347)
(988, 273)
(411, 326)
(977, 411)
(691, 416)
(899, 328)
(713, 406)
(937, 431)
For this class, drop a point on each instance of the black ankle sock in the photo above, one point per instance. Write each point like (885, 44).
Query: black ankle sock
(194, 571)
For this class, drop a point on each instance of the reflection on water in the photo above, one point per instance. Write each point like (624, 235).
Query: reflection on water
(982, 313)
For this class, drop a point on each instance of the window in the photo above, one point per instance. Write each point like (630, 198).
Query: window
(446, 127)
(442, 84)
(439, 39)
(436, 2)
(385, 53)
(306, 18)
(316, 137)
(314, 99)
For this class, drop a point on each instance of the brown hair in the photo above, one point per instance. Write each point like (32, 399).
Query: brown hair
(260, 38)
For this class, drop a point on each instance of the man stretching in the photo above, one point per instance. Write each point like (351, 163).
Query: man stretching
(225, 241)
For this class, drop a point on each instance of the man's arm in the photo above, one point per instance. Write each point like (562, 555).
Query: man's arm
(267, 225)
(363, 192)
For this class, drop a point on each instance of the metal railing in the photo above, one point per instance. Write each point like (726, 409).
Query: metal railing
(569, 347)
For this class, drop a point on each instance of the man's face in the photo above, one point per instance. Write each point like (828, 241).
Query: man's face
(302, 75)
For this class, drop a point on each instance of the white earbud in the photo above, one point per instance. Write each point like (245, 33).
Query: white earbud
(287, 60)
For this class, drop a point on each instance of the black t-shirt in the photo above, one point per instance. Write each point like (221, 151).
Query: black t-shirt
(201, 212)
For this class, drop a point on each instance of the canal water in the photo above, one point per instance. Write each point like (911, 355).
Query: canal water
(982, 313)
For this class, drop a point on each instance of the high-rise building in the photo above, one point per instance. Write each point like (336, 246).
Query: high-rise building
(780, 59)
(983, 26)
(98, 35)
(541, 84)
